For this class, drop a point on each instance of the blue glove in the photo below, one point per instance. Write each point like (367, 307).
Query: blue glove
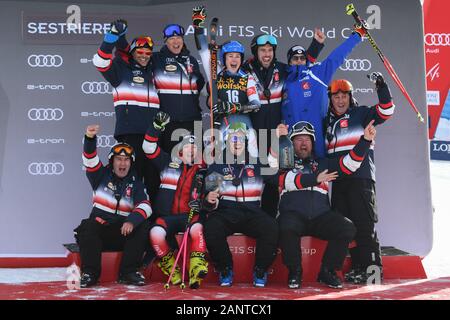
(118, 28)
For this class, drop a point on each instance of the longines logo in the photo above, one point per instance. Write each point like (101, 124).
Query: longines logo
(45, 168)
(45, 61)
(51, 87)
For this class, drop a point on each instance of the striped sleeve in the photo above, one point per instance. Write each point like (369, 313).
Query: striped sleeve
(252, 91)
(90, 157)
(297, 181)
(385, 108)
(140, 213)
(351, 162)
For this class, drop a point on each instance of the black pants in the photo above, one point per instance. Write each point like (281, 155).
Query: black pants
(93, 238)
(166, 142)
(252, 222)
(331, 226)
(356, 199)
(144, 168)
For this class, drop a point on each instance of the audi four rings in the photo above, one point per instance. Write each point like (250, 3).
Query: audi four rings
(105, 141)
(45, 60)
(45, 114)
(45, 168)
(356, 65)
(95, 87)
(437, 39)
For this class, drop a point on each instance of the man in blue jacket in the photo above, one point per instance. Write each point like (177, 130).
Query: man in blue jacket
(305, 89)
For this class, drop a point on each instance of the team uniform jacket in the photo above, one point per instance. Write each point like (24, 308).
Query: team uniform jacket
(269, 115)
(299, 191)
(178, 80)
(343, 131)
(177, 179)
(135, 98)
(305, 95)
(248, 193)
(114, 200)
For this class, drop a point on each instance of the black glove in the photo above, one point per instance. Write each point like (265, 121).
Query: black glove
(161, 120)
(195, 205)
(119, 27)
(222, 108)
(377, 78)
(198, 17)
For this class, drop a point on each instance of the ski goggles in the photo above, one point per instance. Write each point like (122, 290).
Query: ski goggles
(340, 85)
(141, 42)
(122, 149)
(173, 30)
(140, 51)
(302, 127)
(266, 39)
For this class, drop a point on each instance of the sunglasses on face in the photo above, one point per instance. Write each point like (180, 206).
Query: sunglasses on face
(235, 139)
(173, 30)
(266, 39)
(298, 58)
(143, 52)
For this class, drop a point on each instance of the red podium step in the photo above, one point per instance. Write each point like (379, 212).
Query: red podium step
(396, 264)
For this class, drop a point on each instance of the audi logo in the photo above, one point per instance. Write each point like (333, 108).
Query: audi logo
(45, 168)
(45, 114)
(45, 60)
(105, 141)
(356, 65)
(437, 39)
(95, 87)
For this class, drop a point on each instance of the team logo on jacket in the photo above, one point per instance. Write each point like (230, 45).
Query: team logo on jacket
(344, 123)
(250, 173)
(111, 186)
(171, 68)
(228, 177)
(276, 76)
(128, 192)
(174, 165)
(306, 85)
(138, 79)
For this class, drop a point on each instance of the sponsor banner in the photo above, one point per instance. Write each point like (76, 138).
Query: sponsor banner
(440, 150)
(59, 27)
(437, 52)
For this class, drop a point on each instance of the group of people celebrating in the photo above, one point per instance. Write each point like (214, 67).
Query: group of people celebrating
(153, 183)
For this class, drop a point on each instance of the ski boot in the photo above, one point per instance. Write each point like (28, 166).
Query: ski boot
(198, 269)
(166, 264)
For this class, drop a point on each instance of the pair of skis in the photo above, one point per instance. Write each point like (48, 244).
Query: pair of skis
(352, 11)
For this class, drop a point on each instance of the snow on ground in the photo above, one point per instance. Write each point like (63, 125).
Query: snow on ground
(437, 263)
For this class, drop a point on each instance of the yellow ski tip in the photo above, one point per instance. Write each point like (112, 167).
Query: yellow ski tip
(350, 8)
(420, 117)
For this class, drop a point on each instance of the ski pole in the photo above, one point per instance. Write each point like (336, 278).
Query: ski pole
(183, 243)
(352, 11)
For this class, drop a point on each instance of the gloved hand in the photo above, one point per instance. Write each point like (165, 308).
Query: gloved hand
(198, 17)
(195, 205)
(161, 120)
(117, 29)
(377, 78)
(361, 28)
(222, 108)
